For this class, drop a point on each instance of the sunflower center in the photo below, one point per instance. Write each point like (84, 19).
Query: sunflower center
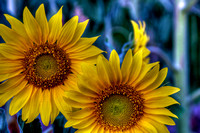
(119, 107)
(46, 66)
(117, 110)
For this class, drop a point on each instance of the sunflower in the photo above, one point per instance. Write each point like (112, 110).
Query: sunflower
(140, 39)
(40, 60)
(126, 99)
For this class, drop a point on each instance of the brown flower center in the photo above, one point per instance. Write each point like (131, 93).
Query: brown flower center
(46, 66)
(119, 107)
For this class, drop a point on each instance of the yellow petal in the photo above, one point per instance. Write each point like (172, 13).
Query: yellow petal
(34, 104)
(89, 70)
(58, 95)
(160, 102)
(18, 27)
(77, 96)
(87, 129)
(40, 16)
(78, 33)
(11, 37)
(32, 27)
(126, 66)
(161, 92)
(86, 88)
(161, 128)
(71, 122)
(55, 110)
(9, 75)
(10, 67)
(144, 71)
(20, 100)
(159, 111)
(147, 126)
(10, 83)
(11, 52)
(45, 107)
(55, 25)
(135, 29)
(135, 67)
(161, 119)
(149, 78)
(96, 128)
(101, 129)
(82, 44)
(135, 129)
(25, 110)
(76, 104)
(14, 90)
(83, 113)
(115, 65)
(85, 123)
(90, 52)
(161, 77)
(67, 32)
(103, 70)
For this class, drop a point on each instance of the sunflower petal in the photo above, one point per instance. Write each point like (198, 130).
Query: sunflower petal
(11, 37)
(161, 92)
(78, 33)
(126, 66)
(55, 25)
(161, 77)
(82, 44)
(55, 110)
(83, 113)
(4, 97)
(161, 119)
(58, 96)
(77, 96)
(11, 83)
(160, 102)
(87, 129)
(103, 70)
(18, 27)
(161, 128)
(115, 65)
(32, 27)
(149, 78)
(40, 16)
(20, 100)
(9, 75)
(10, 67)
(144, 71)
(147, 126)
(45, 107)
(34, 104)
(159, 111)
(11, 52)
(67, 32)
(85, 123)
(90, 52)
(136, 66)
(76, 104)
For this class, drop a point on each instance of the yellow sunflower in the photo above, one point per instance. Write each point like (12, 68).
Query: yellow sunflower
(140, 39)
(126, 99)
(40, 60)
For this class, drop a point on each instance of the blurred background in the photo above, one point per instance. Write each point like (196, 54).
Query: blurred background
(174, 30)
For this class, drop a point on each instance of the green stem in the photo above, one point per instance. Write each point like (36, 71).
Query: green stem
(181, 61)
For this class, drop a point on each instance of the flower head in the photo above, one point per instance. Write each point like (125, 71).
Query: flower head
(126, 99)
(140, 39)
(40, 60)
